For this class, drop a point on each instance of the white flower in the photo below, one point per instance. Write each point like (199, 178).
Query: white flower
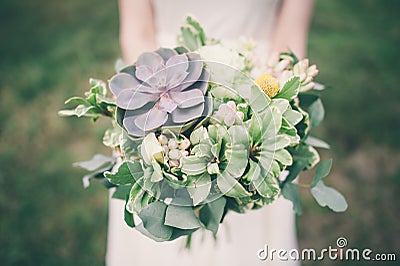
(224, 64)
(221, 54)
(151, 149)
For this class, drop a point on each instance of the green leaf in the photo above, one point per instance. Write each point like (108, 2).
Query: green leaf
(199, 187)
(189, 39)
(181, 232)
(98, 87)
(290, 191)
(77, 100)
(126, 174)
(121, 192)
(211, 214)
(265, 184)
(202, 150)
(321, 171)
(229, 186)
(106, 100)
(157, 174)
(282, 156)
(305, 153)
(237, 157)
(98, 161)
(293, 117)
(200, 32)
(182, 217)
(315, 142)
(276, 142)
(272, 121)
(327, 196)
(258, 101)
(82, 110)
(290, 90)
(198, 135)
(112, 137)
(153, 217)
(193, 165)
(281, 104)
(239, 135)
(316, 112)
(213, 168)
(135, 197)
(128, 217)
(254, 128)
(295, 169)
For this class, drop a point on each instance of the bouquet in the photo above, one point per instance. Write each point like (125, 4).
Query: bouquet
(197, 133)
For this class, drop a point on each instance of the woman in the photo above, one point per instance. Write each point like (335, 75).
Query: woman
(276, 25)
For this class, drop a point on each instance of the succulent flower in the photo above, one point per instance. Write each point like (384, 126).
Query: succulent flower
(174, 149)
(228, 114)
(163, 88)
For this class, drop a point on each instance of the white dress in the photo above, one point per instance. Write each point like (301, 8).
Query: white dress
(241, 235)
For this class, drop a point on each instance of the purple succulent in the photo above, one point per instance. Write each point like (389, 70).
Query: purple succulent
(163, 88)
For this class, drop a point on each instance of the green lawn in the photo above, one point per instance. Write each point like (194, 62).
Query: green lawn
(49, 49)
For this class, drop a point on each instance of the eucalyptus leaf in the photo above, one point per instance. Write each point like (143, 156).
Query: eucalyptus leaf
(211, 214)
(315, 142)
(182, 217)
(98, 161)
(316, 112)
(290, 191)
(295, 169)
(327, 196)
(153, 217)
(321, 171)
(176, 233)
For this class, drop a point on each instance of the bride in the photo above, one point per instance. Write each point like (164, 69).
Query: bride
(276, 26)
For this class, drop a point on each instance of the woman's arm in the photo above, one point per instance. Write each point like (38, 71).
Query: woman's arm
(292, 24)
(137, 32)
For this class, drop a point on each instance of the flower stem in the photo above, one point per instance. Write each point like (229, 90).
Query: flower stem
(303, 185)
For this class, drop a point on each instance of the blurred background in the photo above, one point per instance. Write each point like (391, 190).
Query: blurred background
(48, 51)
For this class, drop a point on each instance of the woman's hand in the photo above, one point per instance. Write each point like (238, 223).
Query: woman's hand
(137, 32)
(292, 24)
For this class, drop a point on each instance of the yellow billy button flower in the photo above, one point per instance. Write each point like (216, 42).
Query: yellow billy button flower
(268, 84)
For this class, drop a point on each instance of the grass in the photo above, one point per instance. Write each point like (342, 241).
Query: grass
(50, 49)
